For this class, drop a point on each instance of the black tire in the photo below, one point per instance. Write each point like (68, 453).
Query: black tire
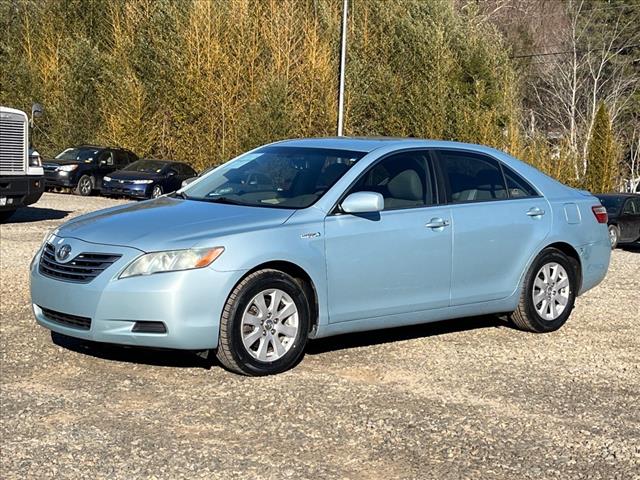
(232, 353)
(85, 186)
(526, 317)
(156, 191)
(614, 236)
(6, 215)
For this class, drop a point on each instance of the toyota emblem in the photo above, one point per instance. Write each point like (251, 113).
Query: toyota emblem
(63, 252)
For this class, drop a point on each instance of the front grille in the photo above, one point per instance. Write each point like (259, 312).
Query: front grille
(81, 269)
(12, 145)
(66, 319)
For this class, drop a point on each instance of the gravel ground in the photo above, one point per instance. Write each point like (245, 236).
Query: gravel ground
(462, 399)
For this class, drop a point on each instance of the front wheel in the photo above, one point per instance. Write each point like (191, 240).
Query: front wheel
(85, 186)
(156, 192)
(548, 293)
(264, 325)
(614, 235)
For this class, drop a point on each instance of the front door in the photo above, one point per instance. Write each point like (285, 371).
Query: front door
(390, 262)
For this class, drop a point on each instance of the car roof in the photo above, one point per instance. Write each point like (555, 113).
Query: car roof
(368, 144)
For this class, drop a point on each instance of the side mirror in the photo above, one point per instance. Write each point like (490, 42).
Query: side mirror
(36, 111)
(363, 202)
(172, 173)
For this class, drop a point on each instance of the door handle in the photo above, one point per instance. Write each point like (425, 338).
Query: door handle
(437, 222)
(535, 212)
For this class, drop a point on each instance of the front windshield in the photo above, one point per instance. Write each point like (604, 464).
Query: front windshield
(612, 204)
(78, 155)
(285, 177)
(146, 166)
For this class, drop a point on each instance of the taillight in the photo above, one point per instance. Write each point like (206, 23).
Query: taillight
(601, 213)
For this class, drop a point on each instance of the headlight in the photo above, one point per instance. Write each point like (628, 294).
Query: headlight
(141, 182)
(34, 160)
(67, 168)
(172, 261)
(106, 179)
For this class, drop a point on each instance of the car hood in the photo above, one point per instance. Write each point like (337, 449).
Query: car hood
(169, 223)
(124, 175)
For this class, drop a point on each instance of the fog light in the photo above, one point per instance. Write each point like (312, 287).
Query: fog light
(149, 327)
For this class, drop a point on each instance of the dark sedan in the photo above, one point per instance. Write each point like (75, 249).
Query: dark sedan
(623, 210)
(147, 178)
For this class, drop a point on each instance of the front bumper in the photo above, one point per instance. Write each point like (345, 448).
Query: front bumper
(20, 191)
(127, 190)
(54, 178)
(189, 303)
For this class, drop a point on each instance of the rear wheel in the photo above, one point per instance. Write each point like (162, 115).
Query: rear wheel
(85, 186)
(548, 293)
(264, 325)
(614, 235)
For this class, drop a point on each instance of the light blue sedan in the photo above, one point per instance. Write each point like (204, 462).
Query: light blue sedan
(310, 238)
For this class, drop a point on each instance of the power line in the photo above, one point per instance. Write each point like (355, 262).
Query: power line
(546, 54)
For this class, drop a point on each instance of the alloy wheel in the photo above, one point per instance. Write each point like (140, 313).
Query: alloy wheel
(269, 325)
(157, 191)
(85, 185)
(551, 290)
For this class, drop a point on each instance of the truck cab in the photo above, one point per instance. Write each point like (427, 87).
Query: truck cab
(21, 174)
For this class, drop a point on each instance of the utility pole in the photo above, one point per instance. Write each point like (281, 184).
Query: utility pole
(343, 55)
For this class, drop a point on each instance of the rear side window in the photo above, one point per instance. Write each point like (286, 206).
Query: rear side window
(518, 187)
(471, 177)
(403, 179)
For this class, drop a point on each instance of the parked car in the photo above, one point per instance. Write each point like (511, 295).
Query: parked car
(623, 210)
(347, 235)
(147, 178)
(82, 168)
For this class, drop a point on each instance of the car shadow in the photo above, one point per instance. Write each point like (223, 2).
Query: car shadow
(389, 335)
(36, 214)
(632, 247)
(206, 360)
(141, 355)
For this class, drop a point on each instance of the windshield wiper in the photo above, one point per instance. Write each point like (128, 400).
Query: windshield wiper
(224, 200)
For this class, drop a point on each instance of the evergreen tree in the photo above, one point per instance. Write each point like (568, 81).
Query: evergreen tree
(602, 157)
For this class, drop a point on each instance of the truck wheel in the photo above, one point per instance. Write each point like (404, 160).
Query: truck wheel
(264, 324)
(85, 186)
(548, 293)
(6, 215)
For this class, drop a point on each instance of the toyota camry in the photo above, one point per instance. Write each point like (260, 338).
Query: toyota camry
(310, 238)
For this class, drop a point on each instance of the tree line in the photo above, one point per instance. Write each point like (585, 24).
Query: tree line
(204, 80)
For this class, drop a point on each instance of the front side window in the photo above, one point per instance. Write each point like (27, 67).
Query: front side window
(275, 176)
(107, 158)
(403, 179)
(471, 177)
(629, 207)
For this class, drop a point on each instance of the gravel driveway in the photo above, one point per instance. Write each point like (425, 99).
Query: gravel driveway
(463, 399)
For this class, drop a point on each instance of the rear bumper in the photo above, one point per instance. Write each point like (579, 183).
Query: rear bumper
(20, 191)
(595, 258)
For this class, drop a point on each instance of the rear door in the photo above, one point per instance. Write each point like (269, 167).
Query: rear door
(499, 221)
(391, 262)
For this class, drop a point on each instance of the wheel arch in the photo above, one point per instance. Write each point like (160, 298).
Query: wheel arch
(301, 276)
(570, 252)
